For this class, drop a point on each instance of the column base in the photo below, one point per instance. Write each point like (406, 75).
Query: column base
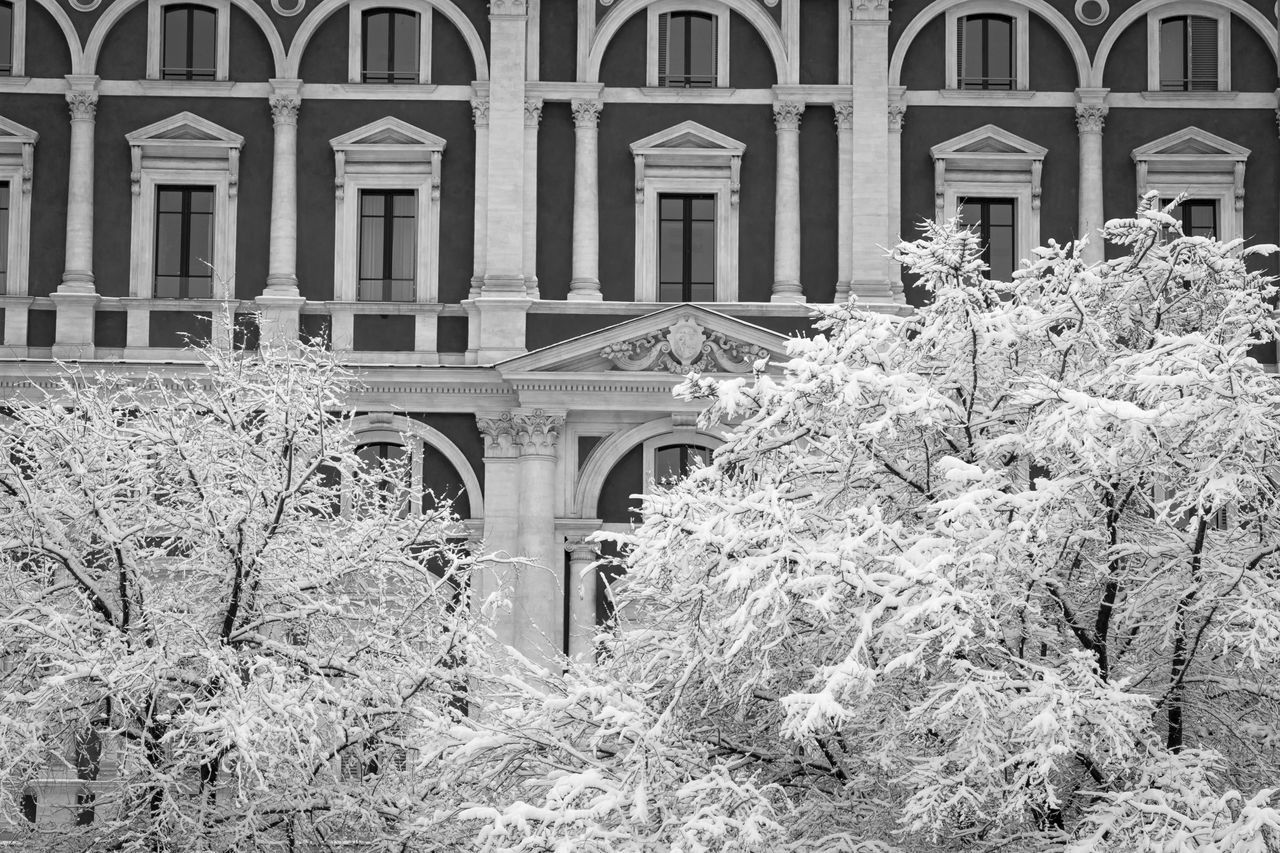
(843, 289)
(503, 286)
(879, 291)
(585, 290)
(284, 285)
(278, 318)
(787, 291)
(73, 329)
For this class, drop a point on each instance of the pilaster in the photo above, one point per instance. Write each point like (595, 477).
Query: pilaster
(501, 516)
(480, 115)
(581, 583)
(505, 235)
(844, 199)
(1091, 114)
(585, 283)
(532, 118)
(897, 120)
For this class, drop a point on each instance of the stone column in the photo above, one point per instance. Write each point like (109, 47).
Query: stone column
(585, 283)
(504, 236)
(501, 517)
(844, 200)
(532, 118)
(786, 231)
(282, 254)
(76, 297)
(897, 118)
(1091, 113)
(480, 112)
(582, 597)
(539, 600)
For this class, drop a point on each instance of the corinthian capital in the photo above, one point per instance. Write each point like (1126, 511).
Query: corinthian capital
(897, 117)
(83, 105)
(499, 434)
(284, 109)
(844, 115)
(480, 111)
(1090, 117)
(538, 432)
(586, 112)
(532, 112)
(786, 114)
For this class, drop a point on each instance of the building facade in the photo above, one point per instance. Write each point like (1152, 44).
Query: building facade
(524, 220)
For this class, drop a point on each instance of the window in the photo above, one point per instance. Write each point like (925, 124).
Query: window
(388, 43)
(4, 237)
(1207, 169)
(994, 221)
(1188, 54)
(184, 243)
(186, 171)
(985, 51)
(674, 461)
(190, 44)
(686, 50)
(1199, 216)
(687, 45)
(387, 215)
(388, 227)
(188, 41)
(30, 805)
(391, 457)
(17, 159)
(7, 39)
(686, 184)
(686, 248)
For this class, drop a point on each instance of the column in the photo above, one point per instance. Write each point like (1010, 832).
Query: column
(480, 114)
(582, 597)
(1091, 113)
(501, 517)
(585, 283)
(532, 118)
(897, 118)
(504, 237)
(786, 222)
(539, 598)
(76, 297)
(280, 304)
(844, 200)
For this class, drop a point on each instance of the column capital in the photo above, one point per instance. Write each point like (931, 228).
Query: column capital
(844, 115)
(532, 112)
(586, 112)
(876, 11)
(498, 431)
(83, 103)
(1090, 117)
(508, 9)
(786, 114)
(897, 117)
(284, 108)
(537, 432)
(480, 111)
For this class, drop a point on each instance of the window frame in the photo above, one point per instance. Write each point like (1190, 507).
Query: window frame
(186, 215)
(355, 38)
(1178, 10)
(720, 18)
(983, 228)
(1021, 17)
(18, 43)
(387, 237)
(157, 160)
(1203, 176)
(388, 154)
(17, 161)
(155, 39)
(672, 439)
(687, 219)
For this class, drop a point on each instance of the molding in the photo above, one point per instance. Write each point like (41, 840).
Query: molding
(355, 37)
(17, 169)
(387, 154)
(222, 36)
(1202, 166)
(18, 42)
(1189, 7)
(685, 347)
(717, 10)
(1021, 39)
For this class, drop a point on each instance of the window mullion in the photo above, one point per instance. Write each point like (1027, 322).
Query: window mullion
(686, 226)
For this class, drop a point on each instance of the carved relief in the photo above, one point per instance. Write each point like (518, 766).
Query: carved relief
(897, 117)
(586, 113)
(1090, 117)
(532, 112)
(480, 111)
(786, 114)
(844, 115)
(537, 432)
(284, 109)
(83, 105)
(682, 348)
(499, 434)
(279, 9)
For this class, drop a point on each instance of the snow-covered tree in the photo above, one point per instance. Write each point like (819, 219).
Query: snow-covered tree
(219, 630)
(1002, 575)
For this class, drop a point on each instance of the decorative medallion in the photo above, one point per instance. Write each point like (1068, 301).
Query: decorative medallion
(298, 6)
(85, 5)
(684, 347)
(1092, 12)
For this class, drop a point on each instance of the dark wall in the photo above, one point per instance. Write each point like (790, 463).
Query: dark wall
(47, 51)
(555, 201)
(751, 64)
(46, 115)
(818, 204)
(924, 66)
(124, 51)
(1252, 65)
(325, 58)
(616, 506)
(451, 62)
(819, 42)
(1126, 69)
(622, 124)
(1051, 68)
(113, 202)
(250, 53)
(545, 329)
(558, 25)
(461, 430)
(623, 63)
(320, 121)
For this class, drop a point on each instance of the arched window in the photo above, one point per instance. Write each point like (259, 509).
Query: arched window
(687, 48)
(390, 49)
(190, 49)
(985, 52)
(6, 39)
(1188, 48)
(673, 461)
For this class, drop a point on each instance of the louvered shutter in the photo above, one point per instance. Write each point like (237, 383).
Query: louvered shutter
(1202, 33)
(715, 55)
(663, 20)
(960, 23)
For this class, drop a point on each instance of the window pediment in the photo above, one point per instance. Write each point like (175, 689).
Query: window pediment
(390, 143)
(186, 141)
(1191, 149)
(988, 148)
(17, 147)
(688, 139)
(1201, 165)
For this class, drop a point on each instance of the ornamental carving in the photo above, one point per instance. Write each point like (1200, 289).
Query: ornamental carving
(844, 116)
(786, 114)
(586, 113)
(284, 109)
(280, 9)
(532, 112)
(480, 111)
(538, 432)
(1090, 117)
(684, 347)
(499, 434)
(83, 105)
(897, 117)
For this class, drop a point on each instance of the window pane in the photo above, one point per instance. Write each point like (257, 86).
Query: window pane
(4, 237)
(701, 47)
(677, 48)
(405, 46)
(175, 40)
(671, 251)
(1173, 54)
(1001, 213)
(404, 203)
(671, 208)
(974, 47)
(6, 39)
(371, 243)
(169, 244)
(703, 253)
(704, 208)
(999, 50)
(377, 43)
(402, 248)
(970, 214)
(203, 42)
(200, 253)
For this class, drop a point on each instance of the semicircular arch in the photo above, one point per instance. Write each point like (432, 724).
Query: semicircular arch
(385, 427)
(450, 10)
(117, 10)
(607, 454)
(1239, 8)
(753, 12)
(63, 20)
(1055, 19)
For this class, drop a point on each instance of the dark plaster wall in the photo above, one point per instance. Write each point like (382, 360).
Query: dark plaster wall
(47, 51)
(47, 116)
(616, 506)
(751, 64)
(555, 201)
(459, 428)
(819, 42)
(124, 51)
(558, 24)
(818, 204)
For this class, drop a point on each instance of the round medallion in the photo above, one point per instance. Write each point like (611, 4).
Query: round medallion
(85, 5)
(281, 10)
(1092, 12)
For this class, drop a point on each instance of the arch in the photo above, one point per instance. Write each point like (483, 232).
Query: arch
(391, 427)
(752, 11)
(1244, 11)
(1064, 29)
(68, 31)
(610, 451)
(117, 10)
(447, 8)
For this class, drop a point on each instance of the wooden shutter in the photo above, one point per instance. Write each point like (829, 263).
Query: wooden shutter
(1202, 36)
(959, 83)
(663, 20)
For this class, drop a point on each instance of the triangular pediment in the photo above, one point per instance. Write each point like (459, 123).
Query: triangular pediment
(388, 131)
(673, 341)
(185, 127)
(1191, 143)
(12, 132)
(686, 136)
(988, 140)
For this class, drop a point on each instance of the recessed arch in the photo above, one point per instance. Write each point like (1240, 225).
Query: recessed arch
(455, 16)
(749, 9)
(63, 20)
(1244, 11)
(117, 10)
(609, 452)
(385, 427)
(1055, 19)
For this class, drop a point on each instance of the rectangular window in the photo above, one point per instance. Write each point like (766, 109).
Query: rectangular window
(184, 243)
(388, 245)
(389, 46)
(994, 220)
(6, 39)
(985, 52)
(686, 248)
(1199, 216)
(687, 50)
(4, 237)
(1188, 54)
(190, 43)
